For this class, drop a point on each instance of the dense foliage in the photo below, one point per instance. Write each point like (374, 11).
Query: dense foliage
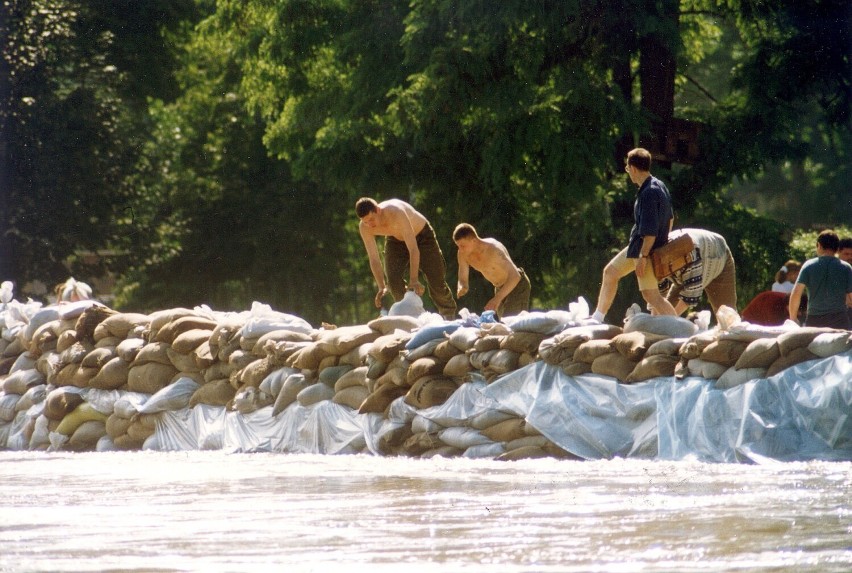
(221, 148)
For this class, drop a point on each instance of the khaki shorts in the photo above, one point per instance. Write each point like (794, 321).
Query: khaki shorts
(625, 266)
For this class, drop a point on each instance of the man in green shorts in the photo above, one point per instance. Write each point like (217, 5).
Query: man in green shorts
(411, 245)
(490, 257)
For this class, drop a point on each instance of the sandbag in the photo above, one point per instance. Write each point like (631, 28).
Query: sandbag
(129, 348)
(254, 373)
(82, 413)
(830, 343)
(121, 323)
(666, 326)
(175, 396)
(800, 338)
(668, 346)
(427, 349)
(520, 342)
(354, 377)
(188, 341)
(653, 366)
(389, 324)
(458, 366)
(86, 436)
(693, 347)
(173, 329)
(463, 438)
(760, 353)
(444, 351)
(182, 362)
(351, 396)
(215, 393)
(634, 344)
(153, 352)
(733, 377)
(315, 393)
(98, 357)
(292, 385)
(341, 340)
(506, 431)
(705, 369)
(423, 367)
(725, 352)
(61, 402)
(430, 391)
(793, 357)
(591, 349)
(489, 418)
(380, 398)
(116, 425)
(22, 380)
(387, 347)
(396, 376)
(524, 453)
(571, 368)
(431, 332)
(464, 338)
(488, 342)
(614, 364)
(501, 362)
(150, 377)
(111, 376)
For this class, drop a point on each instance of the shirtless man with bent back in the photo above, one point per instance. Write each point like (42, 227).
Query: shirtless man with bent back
(490, 257)
(411, 245)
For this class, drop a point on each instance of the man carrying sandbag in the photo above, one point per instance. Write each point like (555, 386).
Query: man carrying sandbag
(711, 271)
(410, 244)
(653, 217)
(490, 257)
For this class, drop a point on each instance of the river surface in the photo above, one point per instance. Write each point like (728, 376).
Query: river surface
(211, 511)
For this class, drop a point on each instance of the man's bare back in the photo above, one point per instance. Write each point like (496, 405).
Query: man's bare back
(491, 259)
(395, 218)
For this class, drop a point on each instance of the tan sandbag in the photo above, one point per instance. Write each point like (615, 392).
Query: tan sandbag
(75, 353)
(379, 399)
(203, 356)
(290, 388)
(138, 430)
(253, 374)
(633, 345)
(733, 377)
(458, 366)
(65, 376)
(129, 348)
(831, 343)
(669, 346)
(91, 318)
(591, 349)
(354, 377)
(430, 391)
(111, 376)
(693, 347)
(795, 356)
(341, 340)
(14, 348)
(188, 341)
(22, 380)
(572, 368)
(98, 357)
(445, 351)
(126, 443)
(315, 393)
(388, 324)
(175, 328)
(421, 442)
(82, 376)
(329, 361)
(351, 396)
(525, 359)
(307, 358)
(523, 453)
(489, 418)
(86, 437)
(375, 368)
(397, 376)
(487, 342)
(503, 361)
(556, 452)
(216, 393)
(150, 377)
(705, 369)
(760, 353)
(158, 319)
(464, 338)
(107, 342)
(224, 352)
(725, 352)
(506, 431)
(66, 340)
(82, 413)
(615, 364)
(356, 357)
(116, 425)
(442, 452)
(538, 441)
(424, 367)
(392, 440)
(182, 362)
(522, 341)
(239, 359)
(217, 371)
(653, 366)
(388, 346)
(479, 360)
(800, 338)
(60, 403)
(153, 352)
(120, 324)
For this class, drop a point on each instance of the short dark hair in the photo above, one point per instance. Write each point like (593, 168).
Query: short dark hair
(845, 243)
(828, 240)
(364, 206)
(464, 231)
(639, 158)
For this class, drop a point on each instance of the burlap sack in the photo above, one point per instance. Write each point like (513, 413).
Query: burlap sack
(800, 338)
(444, 351)
(458, 366)
(464, 338)
(441, 452)
(239, 359)
(487, 342)
(307, 358)
(793, 357)
(725, 352)
(653, 366)
(572, 368)
(387, 347)
(120, 324)
(424, 350)
(523, 453)
(351, 396)
(614, 364)
(430, 391)
(733, 377)
(522, 341)
(183, 362)
(525, 359)
(293, 384)
(116, 425)
(506, 431)
(391, 441)
(489, 418)
(633, 345)
(501, 362)
(160, 318)
(375, 368)
(82, 376)
(203, 356)
(254, 373)
(380, 398)
(150, 377)
(82, 413)
(341, 340)
(22, 380)
(705, 369)
(138, 430)
(538, 441)
(188, 341)
(669, 346)
(693, 347)
(356, 357)
(152, 352)
(591, 349)
(126, 443)
(86, 437)
(421, 442)
(397, 376)
(91, 317)
(552, 352)
(760, 353)
(423, 367)
(173, 329)
(354, 377)
(129, 348)
(315, 393)
(108, 341)
(111, 376)
(216, 393)
(66, 339)
(217, 370)
(831, 343)
(98, 357)
(388, 324)
(224, 351)
(258, 349)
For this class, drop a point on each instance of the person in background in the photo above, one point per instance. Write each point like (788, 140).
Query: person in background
(72, 290)
(410, 246)
(828, 281)
(844, 253)
(711, 271)
(785, 278)
(653, 217)
(490, 257)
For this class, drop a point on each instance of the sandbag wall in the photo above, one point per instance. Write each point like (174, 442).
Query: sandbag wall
(84, 377)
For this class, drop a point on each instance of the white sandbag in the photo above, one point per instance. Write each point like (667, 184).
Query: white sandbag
(175, 396)
(410, 305)
(8, 402)
(391, 323)
(670, 326)
(489, 418)
(830, 343)
(262, 319)
(465, 337)
(420, 424)
(485, 451)
(22, 380)
(733, 377)
(462, 438)
(37, 320)
(275, 380)
(315, 393)
(549, 322)
(706, 369)
(24, 361)
(129, 404)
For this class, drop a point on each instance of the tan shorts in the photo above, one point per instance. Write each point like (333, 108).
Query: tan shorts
(625, 266)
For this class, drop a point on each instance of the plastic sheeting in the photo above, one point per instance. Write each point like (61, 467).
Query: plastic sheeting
(802, 413)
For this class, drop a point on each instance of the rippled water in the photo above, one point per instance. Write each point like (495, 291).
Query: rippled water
(203, 511)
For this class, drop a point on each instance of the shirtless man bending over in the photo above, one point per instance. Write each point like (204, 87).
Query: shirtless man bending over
(410, 245)
(490, 257)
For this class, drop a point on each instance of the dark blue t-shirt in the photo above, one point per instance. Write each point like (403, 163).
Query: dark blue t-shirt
(651, 213)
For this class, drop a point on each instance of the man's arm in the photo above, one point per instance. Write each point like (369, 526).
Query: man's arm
(513, 277)
(795, 300)
(464, 276)
(644, 251)
(375, 262)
